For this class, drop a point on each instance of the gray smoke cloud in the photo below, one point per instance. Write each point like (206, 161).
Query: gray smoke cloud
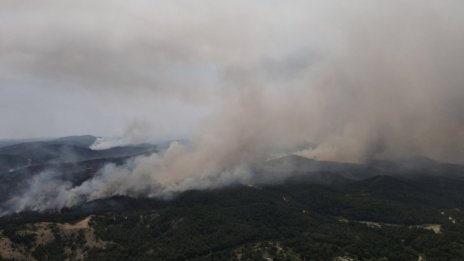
(361, 79)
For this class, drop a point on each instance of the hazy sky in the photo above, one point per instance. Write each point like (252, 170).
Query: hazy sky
(101, 67)
(104, 66)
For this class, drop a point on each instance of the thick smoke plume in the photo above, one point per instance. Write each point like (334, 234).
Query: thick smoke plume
(359, 79)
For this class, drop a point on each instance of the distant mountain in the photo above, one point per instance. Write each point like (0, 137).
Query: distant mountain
(62, 150)
(79, 141)
(8, 142)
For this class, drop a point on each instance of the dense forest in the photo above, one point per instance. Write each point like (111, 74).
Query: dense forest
(378, 218)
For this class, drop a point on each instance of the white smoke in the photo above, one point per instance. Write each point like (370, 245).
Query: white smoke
(361, 79)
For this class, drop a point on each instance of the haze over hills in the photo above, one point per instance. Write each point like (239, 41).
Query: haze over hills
(380, 209)
(31, 169)
(69, 161)
(62, 150)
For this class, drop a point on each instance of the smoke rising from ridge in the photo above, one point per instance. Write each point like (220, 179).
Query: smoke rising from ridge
(360, 79)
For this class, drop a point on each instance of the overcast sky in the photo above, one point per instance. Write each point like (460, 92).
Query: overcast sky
(102, 67)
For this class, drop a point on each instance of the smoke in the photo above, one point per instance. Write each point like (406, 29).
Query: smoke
(360, 79)
(137, 132)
